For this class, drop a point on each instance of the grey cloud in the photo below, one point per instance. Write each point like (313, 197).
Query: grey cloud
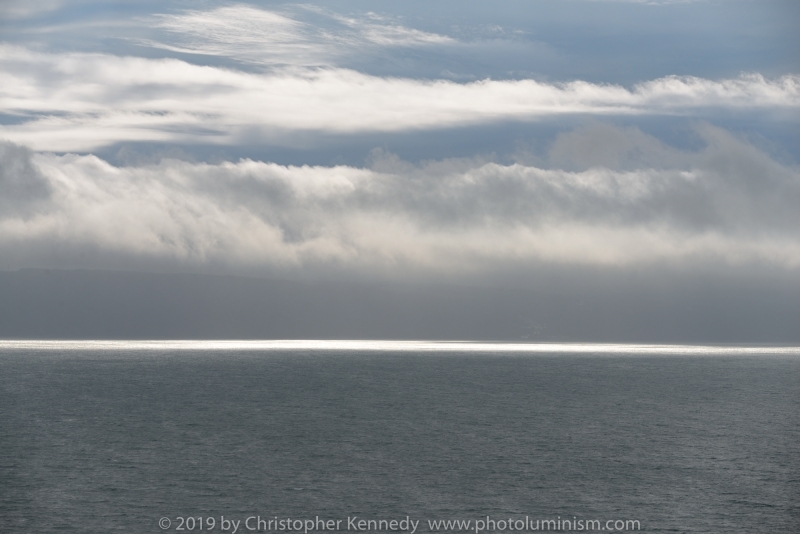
(732, 185)
(607, 175)
(604, 145)
(728, 202)
(22, 186)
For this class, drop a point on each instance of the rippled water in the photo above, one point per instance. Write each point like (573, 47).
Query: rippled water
(113, 437)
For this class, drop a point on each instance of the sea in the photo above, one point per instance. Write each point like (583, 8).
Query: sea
(381, 437)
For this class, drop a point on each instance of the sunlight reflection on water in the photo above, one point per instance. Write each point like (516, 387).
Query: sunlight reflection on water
(398, 346)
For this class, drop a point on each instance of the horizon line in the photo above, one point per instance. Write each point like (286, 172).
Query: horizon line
(363, 345)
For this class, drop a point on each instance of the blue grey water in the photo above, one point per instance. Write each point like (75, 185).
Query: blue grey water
(114, 440)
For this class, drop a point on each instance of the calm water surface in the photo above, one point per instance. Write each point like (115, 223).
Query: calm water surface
(112, 440)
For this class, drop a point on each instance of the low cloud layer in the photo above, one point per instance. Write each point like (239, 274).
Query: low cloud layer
(79, 102)
(631, 200)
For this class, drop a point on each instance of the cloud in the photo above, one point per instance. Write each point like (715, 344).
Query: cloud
(252, 35)
(728, 203)
(242, 32)
(382, 30)
(604, 145)
(20, 9)
(78, 102)
(22, 186)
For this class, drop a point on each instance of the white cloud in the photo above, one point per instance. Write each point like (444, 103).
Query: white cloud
(727, 203)
(246, 33)
(381, 30)
(78, 102)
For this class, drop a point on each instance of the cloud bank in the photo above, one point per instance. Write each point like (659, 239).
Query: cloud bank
(79, 102)
(629, 200)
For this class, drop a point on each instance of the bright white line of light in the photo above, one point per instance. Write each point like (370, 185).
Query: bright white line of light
(395, 346)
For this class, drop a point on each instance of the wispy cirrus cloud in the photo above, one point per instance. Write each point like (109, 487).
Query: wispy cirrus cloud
(727, 203)
(79, 102)
(248, 34)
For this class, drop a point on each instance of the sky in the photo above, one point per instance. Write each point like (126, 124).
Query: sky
(537, 145)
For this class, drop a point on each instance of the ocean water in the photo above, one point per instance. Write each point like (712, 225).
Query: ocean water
(133, 437)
